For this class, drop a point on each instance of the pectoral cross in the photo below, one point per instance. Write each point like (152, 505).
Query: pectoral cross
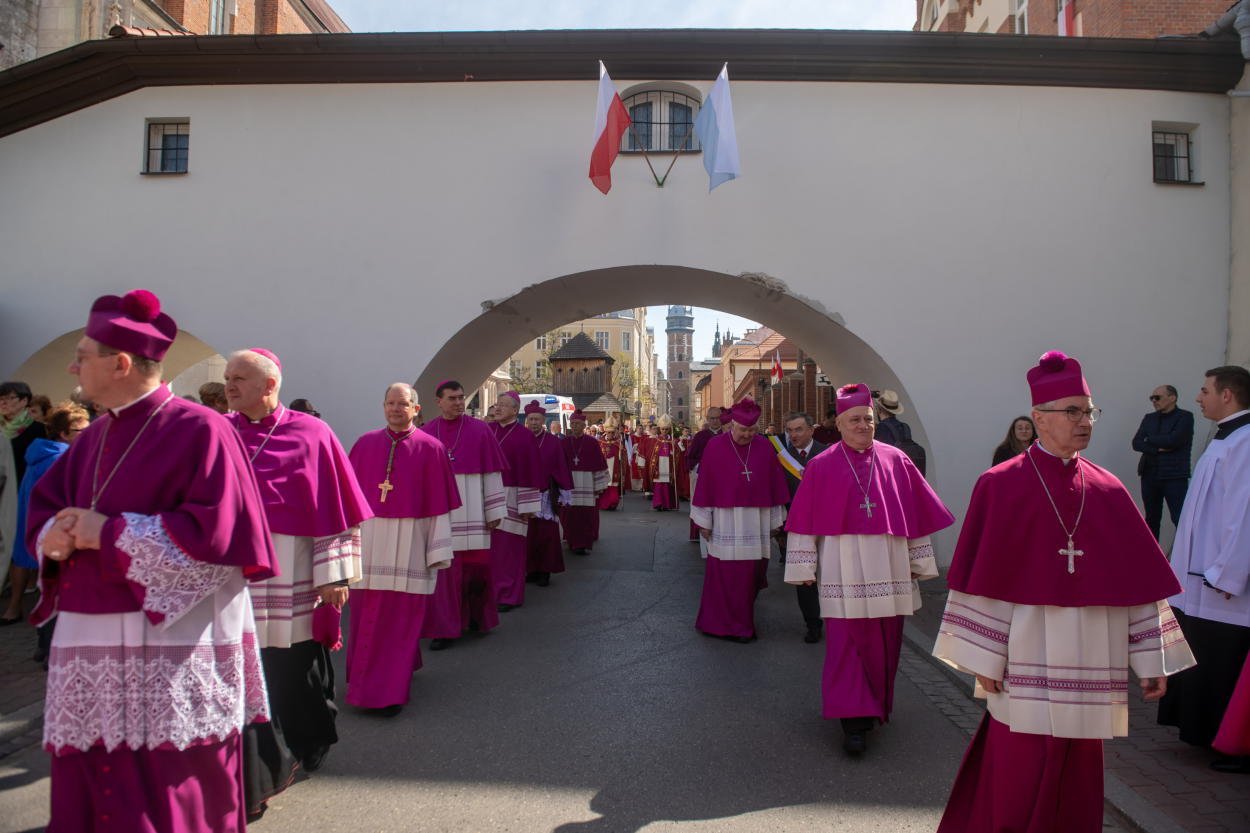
(450, 456)
(1071, 552)
(576, 459)
(385, 487)
(747, 473)
(868, 506)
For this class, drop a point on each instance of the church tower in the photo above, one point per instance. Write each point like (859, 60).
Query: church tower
(680, 330)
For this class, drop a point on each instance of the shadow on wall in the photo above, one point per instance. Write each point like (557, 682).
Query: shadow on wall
(189, 364)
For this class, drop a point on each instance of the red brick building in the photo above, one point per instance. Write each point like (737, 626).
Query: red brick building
(1089, 18)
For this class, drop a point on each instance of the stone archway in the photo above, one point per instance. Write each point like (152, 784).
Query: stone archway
(480, 345)
(189, 363)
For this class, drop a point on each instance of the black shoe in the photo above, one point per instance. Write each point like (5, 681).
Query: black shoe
(543, 580)
(441, 644)
(313, 760)
(387, 711)
(4, 623)
(506, 608)
(1234, 765)
(741, 640)
(855, 744)
(255, 815)
(812, 636)
(532, 578)
(581, 551)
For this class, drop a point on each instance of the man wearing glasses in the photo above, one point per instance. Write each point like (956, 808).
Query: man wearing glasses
(1164, 439)
(1057, 589)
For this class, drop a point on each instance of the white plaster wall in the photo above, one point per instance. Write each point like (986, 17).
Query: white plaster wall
(960, 231)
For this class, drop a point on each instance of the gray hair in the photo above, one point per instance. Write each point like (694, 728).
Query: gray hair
(264, 364)
(406, 388)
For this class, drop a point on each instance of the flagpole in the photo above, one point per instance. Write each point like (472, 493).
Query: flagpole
(643, 146)
(676, 153)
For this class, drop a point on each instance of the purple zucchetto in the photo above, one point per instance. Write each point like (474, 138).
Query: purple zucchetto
(858, 395)
(133, 323)
(745, 412)
(535, 407)
(1056, 376)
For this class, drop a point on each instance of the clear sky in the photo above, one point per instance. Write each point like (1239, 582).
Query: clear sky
(488, 15)
(485, 15)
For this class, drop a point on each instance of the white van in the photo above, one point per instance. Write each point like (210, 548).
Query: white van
(559, 408)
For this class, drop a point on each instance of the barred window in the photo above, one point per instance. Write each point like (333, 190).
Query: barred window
(663, 120)
(168, 146)
(1173, 155)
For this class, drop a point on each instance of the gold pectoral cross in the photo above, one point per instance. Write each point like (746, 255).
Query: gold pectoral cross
(385, 487)
(1071, 552)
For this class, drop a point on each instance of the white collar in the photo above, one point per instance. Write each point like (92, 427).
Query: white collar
(1231, 417)
(806, 448)
(1065, 460)
(120, 408)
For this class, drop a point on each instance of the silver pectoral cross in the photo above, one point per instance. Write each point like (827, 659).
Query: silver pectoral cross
(747, 473)
(868, 506)
(1071, 552)
(576, 460)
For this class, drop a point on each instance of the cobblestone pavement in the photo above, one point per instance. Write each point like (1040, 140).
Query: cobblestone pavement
(1161, 784)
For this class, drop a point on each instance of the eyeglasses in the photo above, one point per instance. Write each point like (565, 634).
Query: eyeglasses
(1074, 413)
(1154, 397)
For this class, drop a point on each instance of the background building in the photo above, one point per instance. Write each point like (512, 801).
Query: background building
(623, 335)
(1076, 18)
(680, 331)
(30, 29)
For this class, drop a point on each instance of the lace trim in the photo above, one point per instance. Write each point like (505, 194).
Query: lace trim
(921, 552)
(870, 590)
(173, 582)
(145, 696)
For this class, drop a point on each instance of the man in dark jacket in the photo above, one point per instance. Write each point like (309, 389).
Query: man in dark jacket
(1164, 440)
(799, 447)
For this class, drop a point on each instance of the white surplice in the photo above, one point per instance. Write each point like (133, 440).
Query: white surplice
(482, 500)
(739, 533)
(1064, 669)
(405, 554)
(861, 576)
(284, 604)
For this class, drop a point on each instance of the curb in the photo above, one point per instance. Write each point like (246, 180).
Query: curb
(1137, 812)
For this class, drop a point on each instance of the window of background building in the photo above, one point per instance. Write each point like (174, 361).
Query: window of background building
(662, 120)
(564, 338)
(542, 370)
(626, 338)
(1020, 14)
(514, 368)
(540, 343)
(1173, 152)
(168, 146)
(601, 339)
(219, 17)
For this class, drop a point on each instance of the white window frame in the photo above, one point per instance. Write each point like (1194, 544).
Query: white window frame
(603, 339)
(1020, 16)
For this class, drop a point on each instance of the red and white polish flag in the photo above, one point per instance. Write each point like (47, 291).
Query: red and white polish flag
(611, 122)
(1067, 20)
(777, 372)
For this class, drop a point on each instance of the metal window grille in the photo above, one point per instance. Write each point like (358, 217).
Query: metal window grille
(168, 147)
(1172, 158)
(662, 121)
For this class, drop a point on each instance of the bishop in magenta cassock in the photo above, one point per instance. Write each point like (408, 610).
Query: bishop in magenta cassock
(544, 554)
(1057, 589)
(522, 480)
(147, 531)
(314, 508)
(464, 595)
(412, 492)
(738, 503)
(590, 480)
(616, 458)
(859, 530)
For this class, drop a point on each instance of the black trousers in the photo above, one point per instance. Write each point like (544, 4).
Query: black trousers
(1155, 492)
(809, 604)
(1198, 697)
(302, 714)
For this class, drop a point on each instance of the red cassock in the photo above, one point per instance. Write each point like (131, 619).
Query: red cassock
(683, 469)
(616, 456)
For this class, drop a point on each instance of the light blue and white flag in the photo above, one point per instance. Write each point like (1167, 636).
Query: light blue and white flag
(714, 128)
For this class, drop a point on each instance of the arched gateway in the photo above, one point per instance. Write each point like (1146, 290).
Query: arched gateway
(927, 212)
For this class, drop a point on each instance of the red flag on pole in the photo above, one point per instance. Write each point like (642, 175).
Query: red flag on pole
(611, 122)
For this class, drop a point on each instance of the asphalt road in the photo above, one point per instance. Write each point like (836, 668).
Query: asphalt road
(597, 707)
